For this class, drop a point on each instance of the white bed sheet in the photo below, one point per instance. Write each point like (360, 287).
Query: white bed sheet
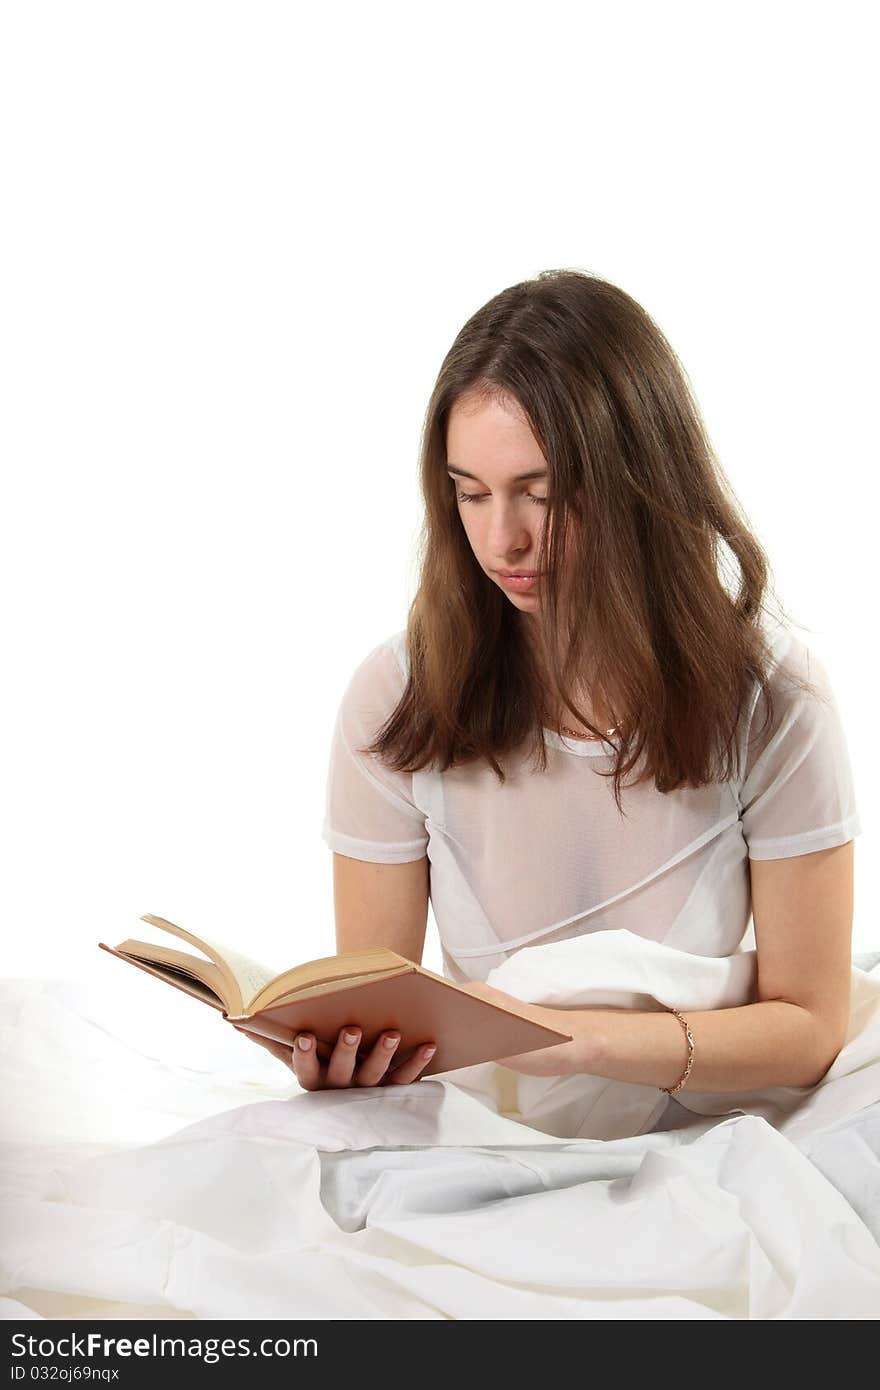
(133, 1186)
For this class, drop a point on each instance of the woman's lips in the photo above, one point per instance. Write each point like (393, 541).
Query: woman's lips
(518, 584)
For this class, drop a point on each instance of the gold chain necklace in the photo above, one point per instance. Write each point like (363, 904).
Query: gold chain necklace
(591, 738)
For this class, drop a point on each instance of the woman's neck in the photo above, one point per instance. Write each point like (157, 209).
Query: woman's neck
(554, 710)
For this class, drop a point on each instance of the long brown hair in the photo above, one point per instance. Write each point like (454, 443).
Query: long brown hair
(639, 504)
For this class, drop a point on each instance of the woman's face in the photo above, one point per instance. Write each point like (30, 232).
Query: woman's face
(500, 477)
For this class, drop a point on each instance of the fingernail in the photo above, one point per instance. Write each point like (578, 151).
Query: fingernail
(350, 1037)
(429, 1052)
(391, 1042)
(304, 1043)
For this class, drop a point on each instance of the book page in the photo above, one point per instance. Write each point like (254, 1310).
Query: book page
(249, 975)
(337, 985)
(199, 987)
(329, 969)
(180, 963)
(251, 978)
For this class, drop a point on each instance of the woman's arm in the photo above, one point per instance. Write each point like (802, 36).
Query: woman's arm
(381, 905)
(773, 1043)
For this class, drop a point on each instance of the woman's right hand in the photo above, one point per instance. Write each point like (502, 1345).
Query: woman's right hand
(339, 1068)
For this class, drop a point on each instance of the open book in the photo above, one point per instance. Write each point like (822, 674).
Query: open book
(376, 990)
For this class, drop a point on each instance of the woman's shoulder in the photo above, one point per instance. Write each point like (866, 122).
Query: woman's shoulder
(390, 656)
(397, 646)
(800, 691)
(379, 678)
(792, 662)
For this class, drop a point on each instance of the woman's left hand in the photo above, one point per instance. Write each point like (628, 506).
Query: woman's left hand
(557, 1060)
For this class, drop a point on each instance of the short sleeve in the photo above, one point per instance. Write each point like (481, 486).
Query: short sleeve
(798, 795)
(370, 810)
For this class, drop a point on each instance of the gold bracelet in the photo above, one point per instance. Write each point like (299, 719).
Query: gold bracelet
(690, 1061)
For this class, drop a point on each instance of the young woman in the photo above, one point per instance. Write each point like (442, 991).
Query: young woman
(587, 725)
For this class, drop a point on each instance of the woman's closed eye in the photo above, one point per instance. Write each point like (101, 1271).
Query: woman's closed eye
(480, 496)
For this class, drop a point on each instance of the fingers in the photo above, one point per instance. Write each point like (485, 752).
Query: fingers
(378, 1059)
(343, 1068)
(412, 1067)
(305, 1058)
(305, 1062)
(340, 1067)
(301, 1055)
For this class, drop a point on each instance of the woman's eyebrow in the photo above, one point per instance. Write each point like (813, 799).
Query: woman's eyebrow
(520, 477)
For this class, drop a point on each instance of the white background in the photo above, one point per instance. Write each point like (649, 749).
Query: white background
(238, 240)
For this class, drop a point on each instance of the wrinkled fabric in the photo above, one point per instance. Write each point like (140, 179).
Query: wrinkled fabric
(134, 1187)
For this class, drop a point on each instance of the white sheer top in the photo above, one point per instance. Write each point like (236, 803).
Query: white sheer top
(547, 856)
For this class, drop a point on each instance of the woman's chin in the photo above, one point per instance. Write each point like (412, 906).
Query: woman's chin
(522, 600)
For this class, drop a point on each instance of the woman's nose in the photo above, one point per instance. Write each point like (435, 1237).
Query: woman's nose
(508, 530)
